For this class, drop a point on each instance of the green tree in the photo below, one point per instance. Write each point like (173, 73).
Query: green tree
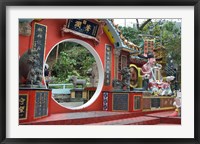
(168, 32)
(73, 59)
(171, 35)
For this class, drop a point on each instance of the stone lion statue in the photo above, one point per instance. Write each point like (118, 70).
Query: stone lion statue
(76, 81)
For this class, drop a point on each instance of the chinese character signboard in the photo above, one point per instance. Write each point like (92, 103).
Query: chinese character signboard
(23, 106)
(40, 40)
(155, 103)
(108, 65)
(120, 102)
(83, 26)
(41, 104)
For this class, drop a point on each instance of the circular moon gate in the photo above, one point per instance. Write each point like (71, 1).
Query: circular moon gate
(100, 71)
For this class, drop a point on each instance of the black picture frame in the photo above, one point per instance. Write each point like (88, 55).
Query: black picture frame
(5, 3)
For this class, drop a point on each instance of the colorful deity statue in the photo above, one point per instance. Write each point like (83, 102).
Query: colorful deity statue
(156, 83)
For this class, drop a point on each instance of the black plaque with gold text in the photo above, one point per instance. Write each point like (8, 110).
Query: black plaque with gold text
(39, 42)
(83, 26)
(155, 102)
(23, 106)
(41, 104)
(107, 65)
(120, 102)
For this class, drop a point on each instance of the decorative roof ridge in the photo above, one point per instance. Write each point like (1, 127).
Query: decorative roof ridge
(124, 43)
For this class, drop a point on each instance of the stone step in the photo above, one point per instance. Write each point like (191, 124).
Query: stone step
(141, 120)
(80, 118)
(107, 118)
(165, 117)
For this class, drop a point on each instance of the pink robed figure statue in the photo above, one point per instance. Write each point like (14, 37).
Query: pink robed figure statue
(157, 84)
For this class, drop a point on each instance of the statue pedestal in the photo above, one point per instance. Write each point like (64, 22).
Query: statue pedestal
(33, 104)
(122, 101)
(151, 103)
(135, 101)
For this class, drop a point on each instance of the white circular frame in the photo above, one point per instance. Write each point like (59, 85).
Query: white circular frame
(100, 71)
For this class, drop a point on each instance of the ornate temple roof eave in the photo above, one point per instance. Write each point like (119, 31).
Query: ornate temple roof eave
(130, 50)
(118, 42)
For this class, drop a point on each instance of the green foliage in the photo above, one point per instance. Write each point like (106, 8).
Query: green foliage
(172, 40)
(168, 32)
(74, 59)
(131, 34)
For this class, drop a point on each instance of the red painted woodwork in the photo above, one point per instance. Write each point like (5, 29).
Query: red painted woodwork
(127, 55)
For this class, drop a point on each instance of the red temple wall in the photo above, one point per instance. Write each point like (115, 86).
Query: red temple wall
(52, 38)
